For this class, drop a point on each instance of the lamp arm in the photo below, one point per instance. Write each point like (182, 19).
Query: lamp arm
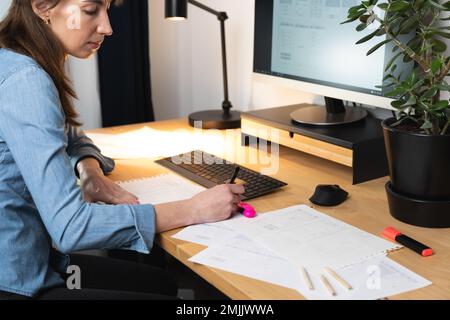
(222, 16)
(202, 6)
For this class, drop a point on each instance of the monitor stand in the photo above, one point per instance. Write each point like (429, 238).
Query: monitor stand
(359, 145)
(333, 113)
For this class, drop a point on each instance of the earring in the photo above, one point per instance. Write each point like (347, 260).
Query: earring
(47, 21)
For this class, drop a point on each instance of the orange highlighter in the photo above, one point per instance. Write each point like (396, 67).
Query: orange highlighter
(408, 242)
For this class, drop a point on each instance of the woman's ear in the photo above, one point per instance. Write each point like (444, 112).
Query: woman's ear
(42, 9)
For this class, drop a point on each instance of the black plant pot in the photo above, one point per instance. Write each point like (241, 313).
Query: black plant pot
(419, 167)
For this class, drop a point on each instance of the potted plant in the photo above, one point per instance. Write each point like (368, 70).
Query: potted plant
(417, 139)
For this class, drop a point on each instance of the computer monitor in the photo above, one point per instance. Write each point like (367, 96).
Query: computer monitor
(303, 45)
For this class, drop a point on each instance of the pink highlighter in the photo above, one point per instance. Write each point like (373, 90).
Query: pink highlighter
(244, 208)
(247, 210)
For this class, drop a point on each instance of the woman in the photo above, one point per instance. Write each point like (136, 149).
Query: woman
(44, 215)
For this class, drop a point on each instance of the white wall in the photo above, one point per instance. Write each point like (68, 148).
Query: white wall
(84, 75)
(186, 62)
(4, 5)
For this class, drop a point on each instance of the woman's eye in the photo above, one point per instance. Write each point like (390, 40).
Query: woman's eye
(91, 12)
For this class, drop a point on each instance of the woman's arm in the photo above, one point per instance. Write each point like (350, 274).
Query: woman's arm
(34, 131)
(98, 188)
(80, 147)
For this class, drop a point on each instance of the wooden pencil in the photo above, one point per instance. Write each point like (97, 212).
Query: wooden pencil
(341, 281)
(327, 285)
(307, 279)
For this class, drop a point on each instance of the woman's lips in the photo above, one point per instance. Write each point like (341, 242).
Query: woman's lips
(94, 45)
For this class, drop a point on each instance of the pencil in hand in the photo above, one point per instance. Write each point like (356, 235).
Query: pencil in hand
(235, 174)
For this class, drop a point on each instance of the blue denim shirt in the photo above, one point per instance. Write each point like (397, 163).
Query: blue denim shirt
(42, 214)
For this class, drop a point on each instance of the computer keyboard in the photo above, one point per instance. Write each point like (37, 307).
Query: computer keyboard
(209, 170)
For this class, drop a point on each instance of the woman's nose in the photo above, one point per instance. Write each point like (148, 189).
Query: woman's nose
(104, 28)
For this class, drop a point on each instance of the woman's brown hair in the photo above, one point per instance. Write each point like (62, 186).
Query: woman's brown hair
(24, 32)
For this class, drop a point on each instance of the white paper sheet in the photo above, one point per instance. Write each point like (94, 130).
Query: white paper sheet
(374, 278)
(161, 189)
(309, 238)
(205, 234)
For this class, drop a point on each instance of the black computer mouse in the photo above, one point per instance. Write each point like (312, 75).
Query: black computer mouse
(328, 195)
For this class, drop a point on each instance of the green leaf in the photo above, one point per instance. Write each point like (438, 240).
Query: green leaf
(363, 18)
(438, 45)
(437, 5)
(407, 25)
(429, 94)
(389, 64)
(350, 20)
(396, 92)
(383, 6)
(361, 27)
(441, 105)
(367, 38)
(394, 23)
(414, 41)
(419, 3)
(436, 65)
(418, 84)
(388, 76)
(386, 86)
(410, 102)
(423, 105)
(413, 78)
(443, 34)
(399, 6)
(405, 85)
(443, 87)
(374, 48)
(406, 59)
(355, 9)
(381, 32)
(397, 104)
(357, 13)
(427, 125)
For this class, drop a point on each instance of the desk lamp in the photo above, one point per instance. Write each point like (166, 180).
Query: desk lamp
(210, 119)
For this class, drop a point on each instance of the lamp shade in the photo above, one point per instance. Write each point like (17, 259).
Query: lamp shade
(176, 9)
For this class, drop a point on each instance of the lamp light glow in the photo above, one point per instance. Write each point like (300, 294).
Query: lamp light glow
(176, 19)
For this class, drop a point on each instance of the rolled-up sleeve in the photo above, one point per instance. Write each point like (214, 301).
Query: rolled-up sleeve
(33, 126)
(81, 147)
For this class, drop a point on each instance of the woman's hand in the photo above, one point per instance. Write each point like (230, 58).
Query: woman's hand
(216, 204)
(98, 188)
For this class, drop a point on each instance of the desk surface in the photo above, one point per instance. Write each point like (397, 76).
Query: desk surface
(366, 209)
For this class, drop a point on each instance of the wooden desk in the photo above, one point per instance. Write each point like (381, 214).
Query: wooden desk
(366, 209)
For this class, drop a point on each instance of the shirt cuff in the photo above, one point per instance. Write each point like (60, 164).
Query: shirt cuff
(145, 223)
(106, 164)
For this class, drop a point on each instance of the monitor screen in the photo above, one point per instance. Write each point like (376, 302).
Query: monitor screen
(304, 40)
